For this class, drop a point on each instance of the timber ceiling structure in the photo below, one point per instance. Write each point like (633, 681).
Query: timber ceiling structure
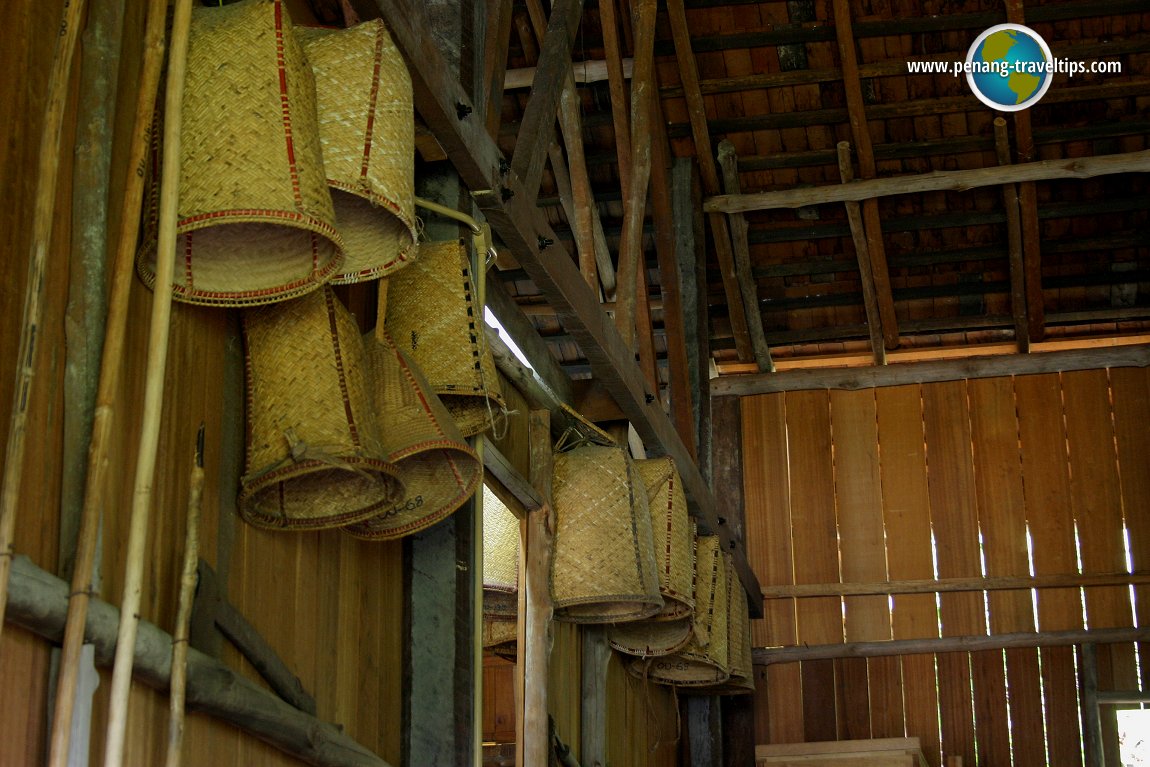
(789, 192)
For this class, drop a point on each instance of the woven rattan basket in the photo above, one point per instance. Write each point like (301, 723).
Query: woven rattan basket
(434, 317)
(315, 457)
(500, 636)
(742, 679)
(367, 128)
(255, 217)
(500, 557)
(703, 661)
(674, 537)
(603, 569)
(439, 470)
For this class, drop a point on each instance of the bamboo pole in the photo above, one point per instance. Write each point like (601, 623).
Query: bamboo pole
(42, 219)
(111, 366)
(184, 610)
(158, 333)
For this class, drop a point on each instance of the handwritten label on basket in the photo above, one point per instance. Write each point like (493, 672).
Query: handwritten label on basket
(411, 504)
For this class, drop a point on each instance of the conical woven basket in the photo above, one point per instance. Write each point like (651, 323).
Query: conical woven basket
(603, 569)
(255, 217)
(439, 470)
(674, 536)
(703, 661)
(367, 128)
(500, 636)
(742, 679)
(315, 457)
(500, 557)
(434, 317)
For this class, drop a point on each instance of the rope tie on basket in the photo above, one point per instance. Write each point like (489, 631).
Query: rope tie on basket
(299, 451)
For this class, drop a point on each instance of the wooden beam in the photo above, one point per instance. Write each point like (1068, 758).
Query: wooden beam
(948, 585)
(527, 338)
(744, 274)
(593, 708)
(38, 602)
(942, 180)
(696, 109)
(764, 656)
(589, 71)
(643, 88)
(538, 122)
(678, 368)
(616, 81)
(704, 730)
(862, 256)
(897, 374)
(1092, 733)
(1018, 306)
(500, 468)
(537, 549)
(872, 225)
(520, 224)
(495, 62)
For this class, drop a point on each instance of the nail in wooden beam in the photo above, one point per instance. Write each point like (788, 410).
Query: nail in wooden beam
(856, 110)
(1028, 208)
(538, 122)
(635, 194)
(495, 62)
(729, 162)
(689, 74)
(862, 252)
(1013, 243)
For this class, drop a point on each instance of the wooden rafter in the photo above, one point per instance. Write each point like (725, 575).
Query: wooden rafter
(862, 253)
(740, 245)
(495, 61)
(939, 180)
(537, 126)
(520, 224)
(856, 111)
(1014, 249)
(590, 242)
(740, 315)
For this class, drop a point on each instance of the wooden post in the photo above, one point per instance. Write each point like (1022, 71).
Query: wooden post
(1018, 306)
(1091, 714)
(704, 730)
(539, 527)
(729, 162)
(495, 61)
(596, 657)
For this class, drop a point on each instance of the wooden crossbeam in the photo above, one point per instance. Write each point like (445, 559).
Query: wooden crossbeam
(764, 656)
(941, 180)
(1133, 355)
(689, 75)
(521, 224)
(495, 61)
(729, 162)
(953, 585)
(537, 126)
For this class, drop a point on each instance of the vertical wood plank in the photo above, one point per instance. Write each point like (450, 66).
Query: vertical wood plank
(906, 514)
(1046, 480)
(1002, 520)
(955, 520)
(1131, 393)
(766, 490)
(537, 549)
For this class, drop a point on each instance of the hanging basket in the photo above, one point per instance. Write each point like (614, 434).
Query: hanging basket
(433, 315)
(742, 679)
(674, 537)
(367, 129)
(255, 219)
(315, 457)
(603, 569)
(500, 636)
(500, 557)
(439, 470)
(703, 661)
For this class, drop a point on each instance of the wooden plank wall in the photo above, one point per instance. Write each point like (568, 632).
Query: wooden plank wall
(331, 606)
(1008, 477)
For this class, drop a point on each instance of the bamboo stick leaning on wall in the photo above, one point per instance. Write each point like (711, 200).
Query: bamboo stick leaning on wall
(158, 333)
(184, 610)
(43, 216)
(111, 365)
